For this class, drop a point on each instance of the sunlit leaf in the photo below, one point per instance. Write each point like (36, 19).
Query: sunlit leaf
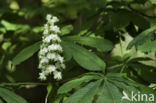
(142, 37)
(148, 46)
(66, 29)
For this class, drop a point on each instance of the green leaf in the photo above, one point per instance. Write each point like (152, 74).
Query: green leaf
(153, 1)
(123, 17)
(11, 97)
(26, 53)
(142, 37)
(67, 51)
(127, 85)
(85, 58)
(108, 89)
(145, 72)
(66, 29)
(75, 83)
(18, 28)
(99, 43)
(153, 86)
(6, 45)
(9, 26)
(37, 29)
(131, 60)
(2, 30)
(85, 94)
(88, 60)
(110, 94)
(148, 46)
(1, 101)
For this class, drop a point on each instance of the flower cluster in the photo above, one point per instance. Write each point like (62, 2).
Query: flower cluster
(50, 52)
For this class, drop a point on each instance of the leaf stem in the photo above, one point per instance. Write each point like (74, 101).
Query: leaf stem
(121, 46)
(122, 69)
(23, 83)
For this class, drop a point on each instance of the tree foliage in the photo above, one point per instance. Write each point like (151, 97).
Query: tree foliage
(109, 47)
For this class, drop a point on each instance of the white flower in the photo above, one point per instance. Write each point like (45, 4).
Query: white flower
(49, 16)
(50, 50)
(52, 56)
(56, 38)
(41, 66)
(45, 32)
(63, 66)
(44, 60)
(55, 47)
(42, 76)
(60, 65)
(52, 37)
(40, 55)
(57, 75)
(55, 29)
(61, 59)
(46, 26)
(43, 51)
(51, 68)
(48, 39)
(53, 20)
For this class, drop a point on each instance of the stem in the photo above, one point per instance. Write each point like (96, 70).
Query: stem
(24, 83)
(115, 66)
(31, 83)
(121, 46)
(122, 69)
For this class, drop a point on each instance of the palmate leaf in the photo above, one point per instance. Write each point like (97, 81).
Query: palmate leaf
(26, 53)
(142, 37)
(83, 57)
(108, 89)
(110, 94)
(75, 83)
(128, 86)
(85, 94)
(99, 43)
(11, 97)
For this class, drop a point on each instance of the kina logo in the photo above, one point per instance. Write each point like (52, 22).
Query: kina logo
(137, 97)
